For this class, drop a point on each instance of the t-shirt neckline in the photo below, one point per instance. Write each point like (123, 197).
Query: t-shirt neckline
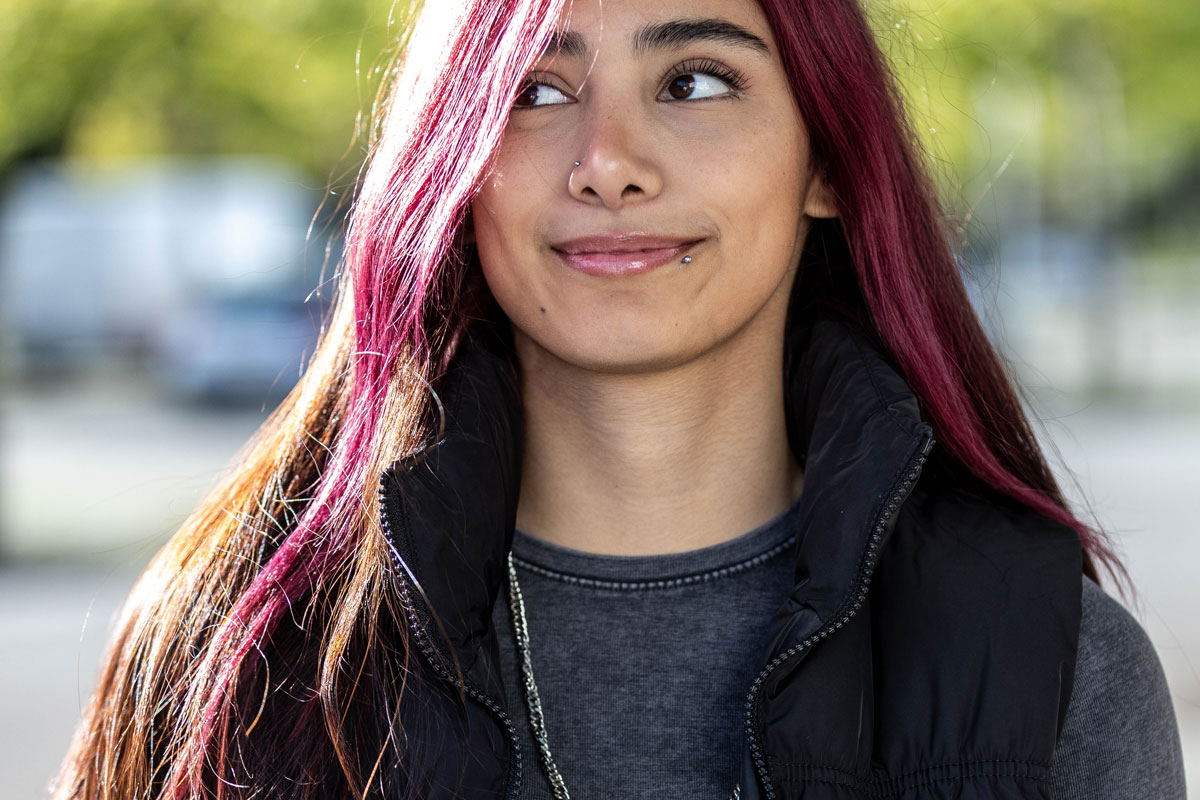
(577, 566)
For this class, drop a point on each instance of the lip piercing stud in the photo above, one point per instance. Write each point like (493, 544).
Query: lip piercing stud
(686, 260)
(577, 163)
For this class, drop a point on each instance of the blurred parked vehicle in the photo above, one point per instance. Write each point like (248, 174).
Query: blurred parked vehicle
(237, 348)
(197, 268)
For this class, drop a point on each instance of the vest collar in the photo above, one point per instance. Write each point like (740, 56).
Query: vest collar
(852, 421)
(856, 428)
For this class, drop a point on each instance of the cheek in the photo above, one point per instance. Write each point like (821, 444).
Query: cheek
(504, 219)
(497, 206)
(524, 194)
(502, 215)
(756, 190)
(514, 196)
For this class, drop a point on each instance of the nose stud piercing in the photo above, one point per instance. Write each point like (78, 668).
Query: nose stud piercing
(577, 163)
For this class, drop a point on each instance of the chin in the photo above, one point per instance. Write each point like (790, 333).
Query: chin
(610, 351)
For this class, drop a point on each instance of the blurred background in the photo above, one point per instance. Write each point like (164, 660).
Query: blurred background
(173, 176)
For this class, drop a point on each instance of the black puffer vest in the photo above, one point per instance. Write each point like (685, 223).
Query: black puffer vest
(927, 649)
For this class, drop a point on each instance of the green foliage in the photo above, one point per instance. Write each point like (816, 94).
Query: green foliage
(1092, 100)
(104, 78)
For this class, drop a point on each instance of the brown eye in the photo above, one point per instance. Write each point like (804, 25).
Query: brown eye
(534, 95)
(527, 97)
(699, 84)
(681, 86)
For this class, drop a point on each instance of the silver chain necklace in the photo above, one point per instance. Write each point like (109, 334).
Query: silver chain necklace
(537, 721)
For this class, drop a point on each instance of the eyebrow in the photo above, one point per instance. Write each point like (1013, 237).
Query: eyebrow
(670, 35)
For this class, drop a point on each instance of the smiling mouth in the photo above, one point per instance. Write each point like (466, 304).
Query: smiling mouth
(617, 256)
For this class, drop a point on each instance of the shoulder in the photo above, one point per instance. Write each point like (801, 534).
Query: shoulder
(992, 557)
(972, 586)
(1120, 738)
(983, 524)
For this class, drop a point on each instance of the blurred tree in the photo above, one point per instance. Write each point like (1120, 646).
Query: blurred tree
(1064, 94)
(1090, 91)
(145, 77)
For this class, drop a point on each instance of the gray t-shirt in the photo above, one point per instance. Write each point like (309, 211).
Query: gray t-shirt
(643, 664)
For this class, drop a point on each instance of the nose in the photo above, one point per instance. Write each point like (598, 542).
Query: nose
(616, 165)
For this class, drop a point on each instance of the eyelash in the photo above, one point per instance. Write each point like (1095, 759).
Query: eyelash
(707, 66)
(699, 66)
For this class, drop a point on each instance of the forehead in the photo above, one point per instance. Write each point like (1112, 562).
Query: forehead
(586, 27)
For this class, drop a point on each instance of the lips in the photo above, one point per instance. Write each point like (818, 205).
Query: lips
(620, 254)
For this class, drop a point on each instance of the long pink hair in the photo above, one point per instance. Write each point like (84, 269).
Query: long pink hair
(263, 650)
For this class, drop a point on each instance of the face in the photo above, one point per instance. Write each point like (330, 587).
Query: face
(681, 226)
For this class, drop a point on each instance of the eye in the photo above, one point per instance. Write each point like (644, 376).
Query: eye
(535, 94)
(696, 86)
(702, 80)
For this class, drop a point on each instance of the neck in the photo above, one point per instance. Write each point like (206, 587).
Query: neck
(657, 462)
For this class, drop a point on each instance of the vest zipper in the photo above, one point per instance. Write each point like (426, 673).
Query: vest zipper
(912, 468)
(435, 659)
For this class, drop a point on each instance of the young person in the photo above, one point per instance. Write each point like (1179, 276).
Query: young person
(652, 449)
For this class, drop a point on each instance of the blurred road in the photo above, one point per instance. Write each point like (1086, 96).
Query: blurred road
(90, 487)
